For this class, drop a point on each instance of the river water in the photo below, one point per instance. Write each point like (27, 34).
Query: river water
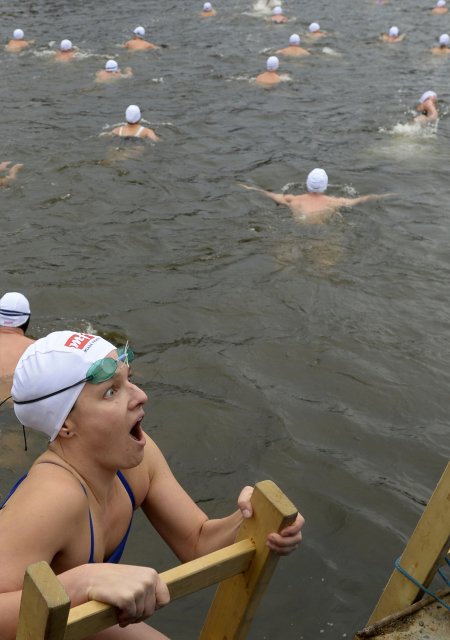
(316, 356)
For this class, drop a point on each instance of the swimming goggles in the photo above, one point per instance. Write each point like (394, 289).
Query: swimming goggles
(99, 371)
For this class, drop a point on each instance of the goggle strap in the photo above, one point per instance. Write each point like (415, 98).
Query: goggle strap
(49, 395)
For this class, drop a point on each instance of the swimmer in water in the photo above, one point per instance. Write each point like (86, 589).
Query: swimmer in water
(314, 207)
(14, 319)
(18, 42)
(132, 128)
(138, 43)
(440, 8)
(11, 174)
(294, 49)
(207, 11)
(427, 106)
(277, 16)
(315, 30)
(443, 47)
(393, 35)
(269, 78)
(66, 51)
(111, 72)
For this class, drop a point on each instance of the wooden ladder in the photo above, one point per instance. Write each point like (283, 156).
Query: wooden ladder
(243, 570)
(424, 553)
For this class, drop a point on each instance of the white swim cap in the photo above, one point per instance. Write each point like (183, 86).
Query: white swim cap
(314, 26)
(207, 6)
(444, 39)
(18, 34)
(294, 39)
(393, 31)
(50, 364)
(111, 65)
(317, 181)
(139, 31)
(277, 11)
(427, 95)
(272, 63)
(14, 309)
(441, 3)
(65, 45)
(133, 114)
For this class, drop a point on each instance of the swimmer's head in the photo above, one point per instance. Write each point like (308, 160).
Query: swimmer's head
(444, 40)
(427, 95)
(207, 7)
(52, 373)
(133, 114)
(139, 31)
(313, 27)
(111, 65)
(294, 39)
(393, 32)
(18, 34)
(65, 45)
(272, 63)
(317, 181)
(440, 3)
(14, 310)
(277, 11)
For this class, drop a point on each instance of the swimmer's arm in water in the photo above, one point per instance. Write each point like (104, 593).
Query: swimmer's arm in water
(151, 135)
(279, 198)
(11, 175)
(351, 202)
(127, 72)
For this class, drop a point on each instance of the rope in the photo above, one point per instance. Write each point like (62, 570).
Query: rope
(420, 585)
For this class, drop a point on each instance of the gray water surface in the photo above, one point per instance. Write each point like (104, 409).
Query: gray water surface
(314, 356)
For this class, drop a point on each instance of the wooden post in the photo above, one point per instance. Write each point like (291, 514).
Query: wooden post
(237, 598)
(424, 552)
(44, 607)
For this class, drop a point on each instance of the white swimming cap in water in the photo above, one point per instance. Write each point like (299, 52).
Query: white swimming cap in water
(441, 3)
(277, 11)
(18, 34)
(314, 26)
(393, 32)
(272, 63)
(65, 45)
(133, 114)
(317, 181)
(294, 39)
(52, 363)
(111, 65)
(207, 6)
(444, 39)
(14, 309)
(427, 95)
(139, 31)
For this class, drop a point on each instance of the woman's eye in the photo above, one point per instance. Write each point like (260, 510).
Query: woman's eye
(109, 393)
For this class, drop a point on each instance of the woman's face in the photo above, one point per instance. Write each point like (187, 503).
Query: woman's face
(106, 420)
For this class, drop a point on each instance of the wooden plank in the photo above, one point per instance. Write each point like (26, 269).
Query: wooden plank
(237, 598)
(424, 552)
(44, 606)
(92, 617)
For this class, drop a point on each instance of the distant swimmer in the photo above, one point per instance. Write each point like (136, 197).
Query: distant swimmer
(138, 43)
(443, 47)
(66, 51)
(314, 207)
(294, 49)
(14, 319)
(207, 11)
(18, 42)
(132, 128)
(270, 77)
(440, 8)
(11, 173)
(315, 31)
(427, 107)
(277, 15)
(393, 35)
(111, 72)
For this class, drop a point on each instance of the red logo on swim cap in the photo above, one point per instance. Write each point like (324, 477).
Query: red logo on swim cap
(79, 340)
